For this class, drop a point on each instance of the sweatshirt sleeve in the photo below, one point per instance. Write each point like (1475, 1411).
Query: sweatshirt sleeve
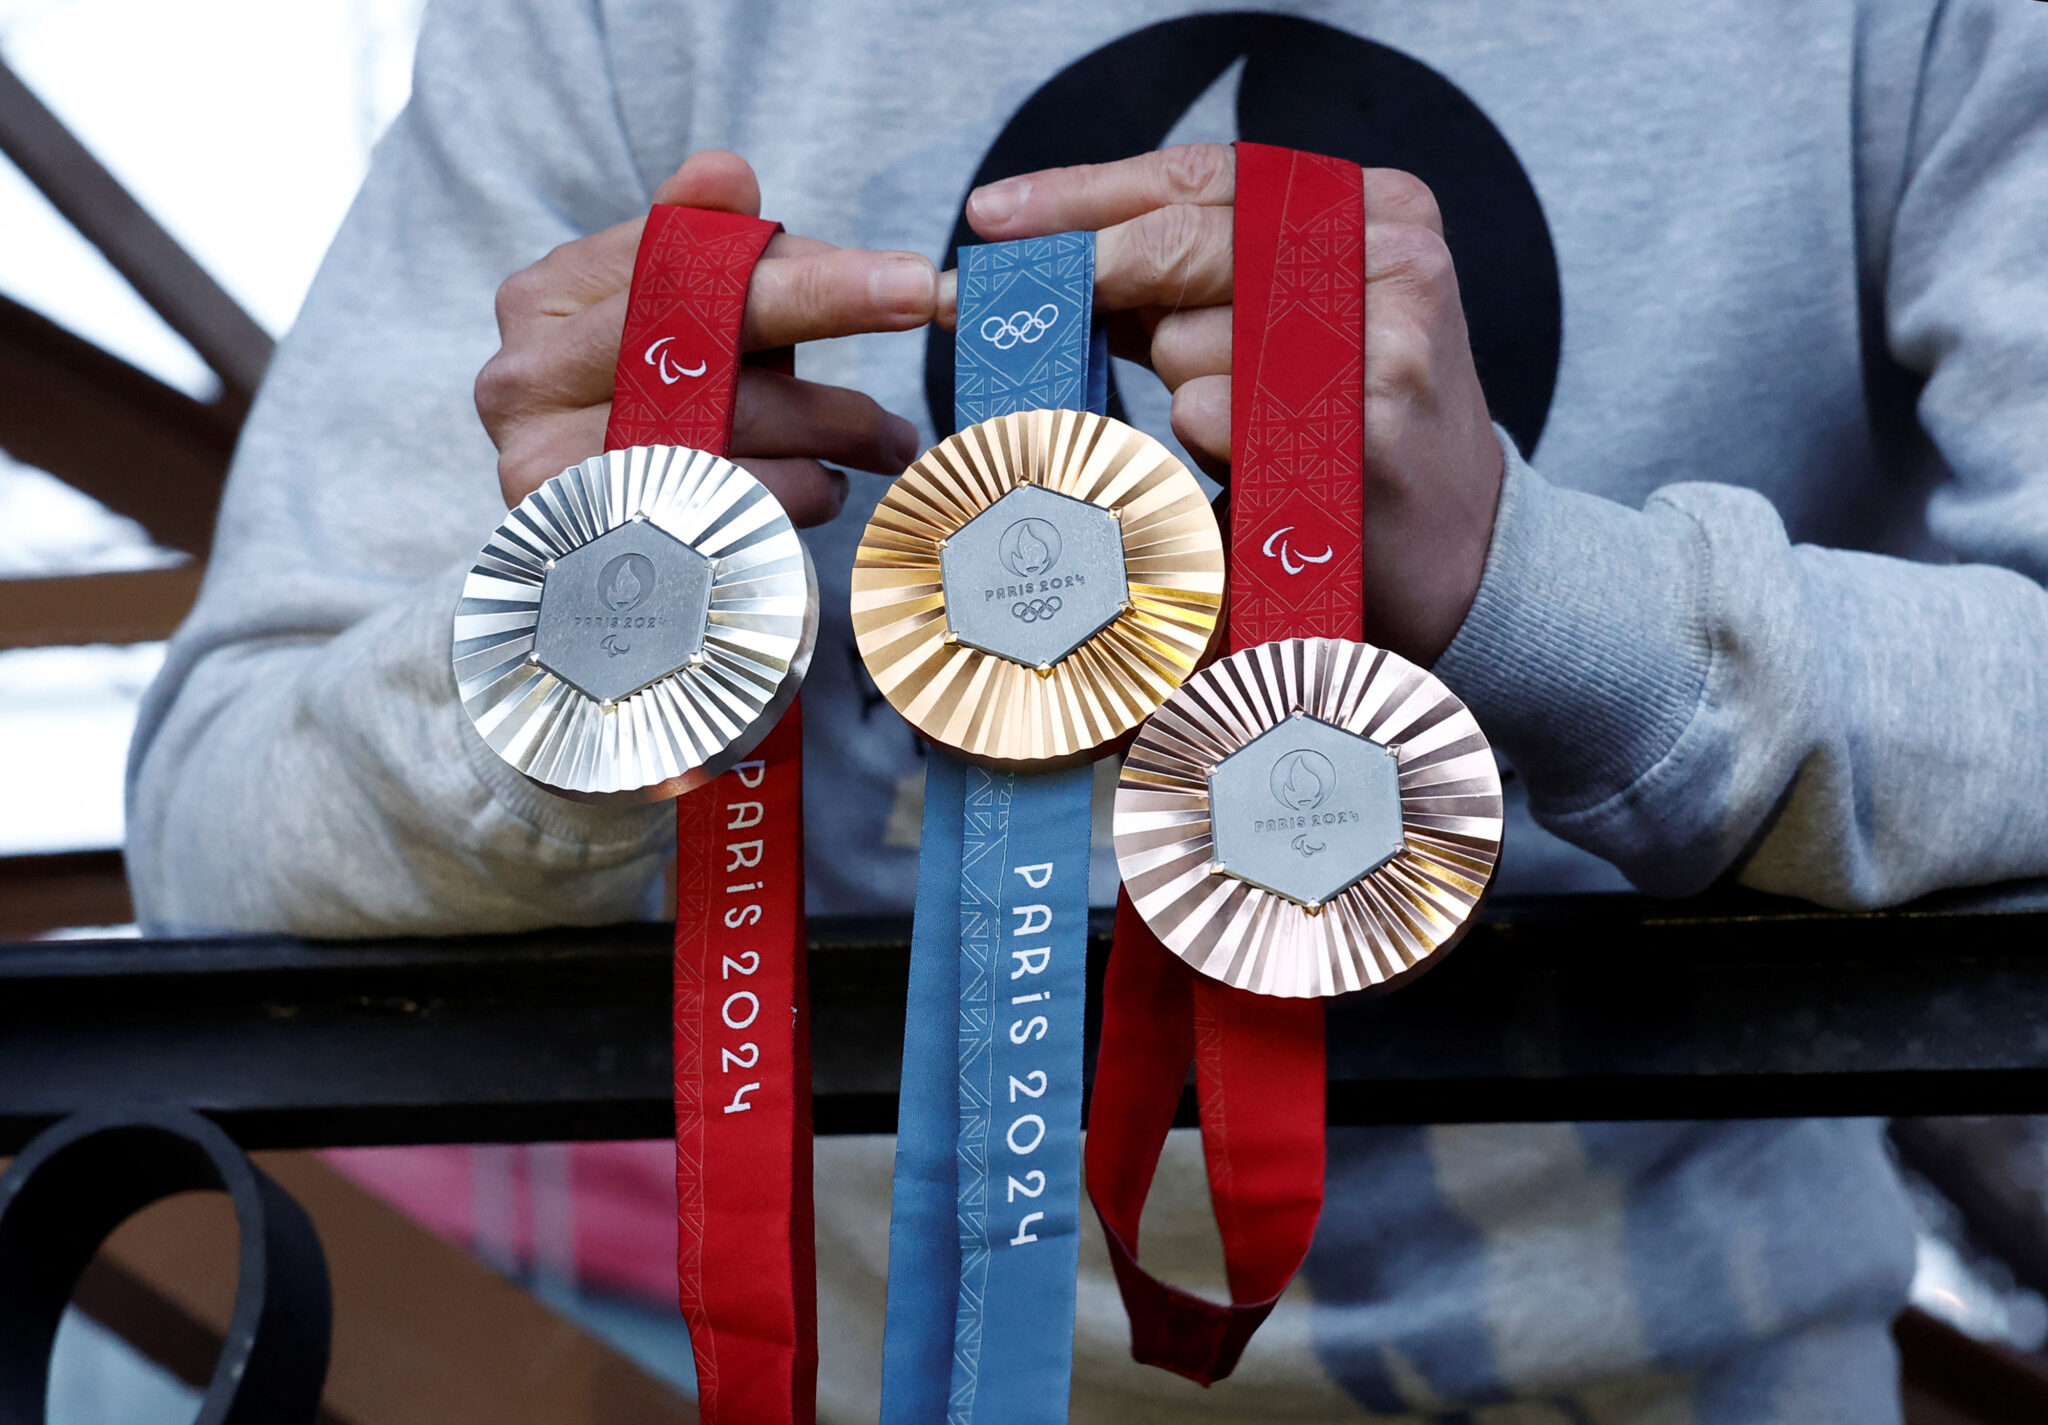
(302, 762)
(1685, 691)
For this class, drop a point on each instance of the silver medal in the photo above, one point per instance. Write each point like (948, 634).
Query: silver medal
(636, 625)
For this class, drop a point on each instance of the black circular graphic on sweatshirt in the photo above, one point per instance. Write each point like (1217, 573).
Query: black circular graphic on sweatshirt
(1311, 86)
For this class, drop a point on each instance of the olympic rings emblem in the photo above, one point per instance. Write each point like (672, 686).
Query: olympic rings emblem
(1032, 610)
(1002, 333)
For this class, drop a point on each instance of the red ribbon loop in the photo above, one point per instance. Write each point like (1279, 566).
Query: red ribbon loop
(746, 1271)
(1297, 562)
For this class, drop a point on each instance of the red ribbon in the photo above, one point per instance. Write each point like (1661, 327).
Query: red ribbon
(745, 1258)
(1296, 571)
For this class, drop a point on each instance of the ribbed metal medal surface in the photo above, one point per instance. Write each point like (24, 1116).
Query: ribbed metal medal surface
(1046, 699)
(1281, 747)
(636, 625)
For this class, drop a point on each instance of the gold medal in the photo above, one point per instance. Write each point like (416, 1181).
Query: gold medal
(636, 625)
(1309, 817)
(1032, 588)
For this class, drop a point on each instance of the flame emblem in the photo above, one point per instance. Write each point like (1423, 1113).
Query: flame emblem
(626, 582)
(1030, 547)
(1303, 780)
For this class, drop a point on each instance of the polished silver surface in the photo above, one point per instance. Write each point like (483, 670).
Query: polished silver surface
(688, 702)
(1385, 925)
(624, 610)
(1034, 576)
(1306, 809)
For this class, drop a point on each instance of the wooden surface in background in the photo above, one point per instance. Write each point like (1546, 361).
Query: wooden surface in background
(62, 889)
(423, 1335)
(138, 446)
(133, 606)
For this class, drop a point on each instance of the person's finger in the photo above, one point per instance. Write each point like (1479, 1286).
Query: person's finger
(1201, 421)
(582, 274)
(837, 293)
(1100, 195)
(776, 415)
(535, 449)
(724, 182)
(1172, 258)
(715, 179)
(557, 365)
(1167, 258)
(1410, 255)
(569, 362)
(1394, 196)
(1191, 344)
(568, 279)
(532, 452)
(810, 493)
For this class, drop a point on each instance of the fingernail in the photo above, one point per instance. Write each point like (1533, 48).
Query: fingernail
(999, 202)
(903, 442)
(903, 284)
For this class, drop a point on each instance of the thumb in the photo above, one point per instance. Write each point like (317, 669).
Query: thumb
(715, 179)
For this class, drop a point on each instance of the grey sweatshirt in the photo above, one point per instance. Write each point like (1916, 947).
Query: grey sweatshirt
(1763, 599)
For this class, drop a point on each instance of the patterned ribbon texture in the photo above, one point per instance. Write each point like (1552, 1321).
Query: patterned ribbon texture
(1296, 493)
(984, 1227)
(745, 1263)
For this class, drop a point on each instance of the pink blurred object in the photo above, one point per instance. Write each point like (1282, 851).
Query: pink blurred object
(604, 1213)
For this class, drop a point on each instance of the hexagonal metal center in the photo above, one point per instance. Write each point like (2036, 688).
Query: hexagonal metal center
(623, 611)
(1306, 809)
(1034, 576)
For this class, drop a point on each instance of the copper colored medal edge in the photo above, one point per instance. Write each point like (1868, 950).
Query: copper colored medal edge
(1381, 930)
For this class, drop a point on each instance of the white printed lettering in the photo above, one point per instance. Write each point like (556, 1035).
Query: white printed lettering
(1037, 919)
(1038, 1135)
(1030, 962)
(1024, 1085)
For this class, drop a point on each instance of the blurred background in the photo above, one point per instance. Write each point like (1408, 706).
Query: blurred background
(243, 128)
(177, 172)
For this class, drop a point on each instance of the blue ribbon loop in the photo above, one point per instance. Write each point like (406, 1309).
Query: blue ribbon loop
(984, 1233)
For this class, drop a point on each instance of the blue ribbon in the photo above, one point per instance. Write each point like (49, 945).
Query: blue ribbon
(984, 1232)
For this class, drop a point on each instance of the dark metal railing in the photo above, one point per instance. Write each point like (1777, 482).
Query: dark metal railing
(1598, 1008)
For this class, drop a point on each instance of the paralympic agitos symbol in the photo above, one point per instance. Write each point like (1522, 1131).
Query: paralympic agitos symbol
(667, 370)
(1289, 556)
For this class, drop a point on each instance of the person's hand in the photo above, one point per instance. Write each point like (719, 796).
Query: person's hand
(546, 394)
(1163, 281)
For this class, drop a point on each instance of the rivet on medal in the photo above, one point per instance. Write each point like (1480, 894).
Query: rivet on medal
(636, 625)
(1033, 587)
